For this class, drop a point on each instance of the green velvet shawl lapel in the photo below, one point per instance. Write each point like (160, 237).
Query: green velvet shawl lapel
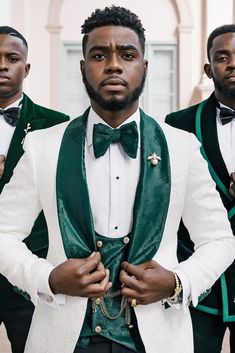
(210, 139)
(206, 132)
(153, 193)
(27, 115)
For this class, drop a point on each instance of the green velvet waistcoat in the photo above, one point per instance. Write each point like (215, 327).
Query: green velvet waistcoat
(75, 216)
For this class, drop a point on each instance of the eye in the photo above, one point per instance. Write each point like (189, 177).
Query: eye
(13, 59)
(128, 56)
(221, 58)
(98, 56)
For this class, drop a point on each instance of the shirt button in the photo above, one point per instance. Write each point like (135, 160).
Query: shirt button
(49, 299)
(99, 243)
(126, 240)
(98, 329)
(116, 227)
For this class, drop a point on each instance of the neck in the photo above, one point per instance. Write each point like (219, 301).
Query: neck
(228, 101)
(115, 118)
(6, 101)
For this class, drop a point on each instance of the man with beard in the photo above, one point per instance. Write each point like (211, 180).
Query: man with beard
(113, 185)
(212, 122)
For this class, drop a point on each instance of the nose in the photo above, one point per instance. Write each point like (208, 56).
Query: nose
(231, 63)
(114, 64)
(3, 64)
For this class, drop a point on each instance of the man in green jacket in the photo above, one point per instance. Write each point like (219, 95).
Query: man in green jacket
(18, 116)
(212, 121)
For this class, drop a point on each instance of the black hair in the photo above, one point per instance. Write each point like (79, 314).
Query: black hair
(217, 32)
(113, 16)
(13, 32)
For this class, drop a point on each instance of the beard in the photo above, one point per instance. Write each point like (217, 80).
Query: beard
(114, 104)
(225, 91)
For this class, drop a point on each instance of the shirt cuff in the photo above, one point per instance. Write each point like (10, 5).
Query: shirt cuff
(45, 295)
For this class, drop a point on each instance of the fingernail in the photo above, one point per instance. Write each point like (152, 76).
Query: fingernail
(92, 254)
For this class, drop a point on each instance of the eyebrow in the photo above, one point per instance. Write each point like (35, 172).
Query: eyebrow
(107, 47)
(221, 51)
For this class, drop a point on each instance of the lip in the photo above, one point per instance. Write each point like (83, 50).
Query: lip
(230, 78)
(4, 78)
(114, 81)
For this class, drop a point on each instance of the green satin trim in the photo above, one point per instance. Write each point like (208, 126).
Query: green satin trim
(153, 193)
(213, 173)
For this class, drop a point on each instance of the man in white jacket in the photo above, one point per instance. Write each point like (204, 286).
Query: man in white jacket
(113, 185)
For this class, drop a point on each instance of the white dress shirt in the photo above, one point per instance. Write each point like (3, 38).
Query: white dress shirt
(6, 130)
(112, 181)
(226, 139)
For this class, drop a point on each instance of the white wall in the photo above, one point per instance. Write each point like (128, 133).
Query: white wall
(162, 19)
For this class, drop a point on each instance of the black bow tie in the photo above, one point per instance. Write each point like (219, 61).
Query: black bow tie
(127, 135)
(11, 115)
(226, 115)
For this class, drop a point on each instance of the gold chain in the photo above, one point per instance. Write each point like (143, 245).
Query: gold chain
(123, 306)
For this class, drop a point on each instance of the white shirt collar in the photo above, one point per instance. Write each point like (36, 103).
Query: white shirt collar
(94, 118)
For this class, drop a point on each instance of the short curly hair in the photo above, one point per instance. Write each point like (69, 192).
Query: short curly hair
(113, 16)
(217, 32)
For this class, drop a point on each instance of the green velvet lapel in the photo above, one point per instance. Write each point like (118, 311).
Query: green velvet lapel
(153, 193)
(27, 116)
(210, 140)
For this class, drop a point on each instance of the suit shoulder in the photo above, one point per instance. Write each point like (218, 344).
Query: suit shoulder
(46, 137)
(183, 119)
(52, 116)
(178, 138)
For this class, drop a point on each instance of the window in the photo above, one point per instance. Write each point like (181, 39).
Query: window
(160, 94)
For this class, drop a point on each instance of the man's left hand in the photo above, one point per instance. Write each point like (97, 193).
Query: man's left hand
(147, 283)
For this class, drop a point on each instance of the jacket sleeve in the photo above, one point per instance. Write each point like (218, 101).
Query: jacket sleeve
(19, 207)
(206, 220)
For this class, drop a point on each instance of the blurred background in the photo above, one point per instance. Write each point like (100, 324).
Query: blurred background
(176, 34)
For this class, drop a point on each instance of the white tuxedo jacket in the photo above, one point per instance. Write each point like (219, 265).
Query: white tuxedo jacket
(193, 197)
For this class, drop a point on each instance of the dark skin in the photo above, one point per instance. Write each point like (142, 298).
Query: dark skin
(13, 69)
(222, 68)
(114, 65)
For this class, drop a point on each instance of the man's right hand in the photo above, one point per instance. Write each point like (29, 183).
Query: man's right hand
(2, 164)
(85, 277)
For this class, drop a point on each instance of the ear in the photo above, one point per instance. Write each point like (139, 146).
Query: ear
(145, 66)
(208, 71)
(82, 67)
(27, 69)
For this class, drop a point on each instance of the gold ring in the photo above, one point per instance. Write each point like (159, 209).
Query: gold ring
(134, 303)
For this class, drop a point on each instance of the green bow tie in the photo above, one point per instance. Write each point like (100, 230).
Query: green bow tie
(127, 135)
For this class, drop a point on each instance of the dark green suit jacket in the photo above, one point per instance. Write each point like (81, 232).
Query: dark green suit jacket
(221, 300)
(35, 117)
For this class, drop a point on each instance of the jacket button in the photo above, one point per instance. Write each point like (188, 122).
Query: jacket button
(126, 240)
(99, 243)
(98, 329)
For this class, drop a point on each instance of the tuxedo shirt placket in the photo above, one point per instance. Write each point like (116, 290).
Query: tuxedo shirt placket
(226, 139)
(6, 130)
(112, 181)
